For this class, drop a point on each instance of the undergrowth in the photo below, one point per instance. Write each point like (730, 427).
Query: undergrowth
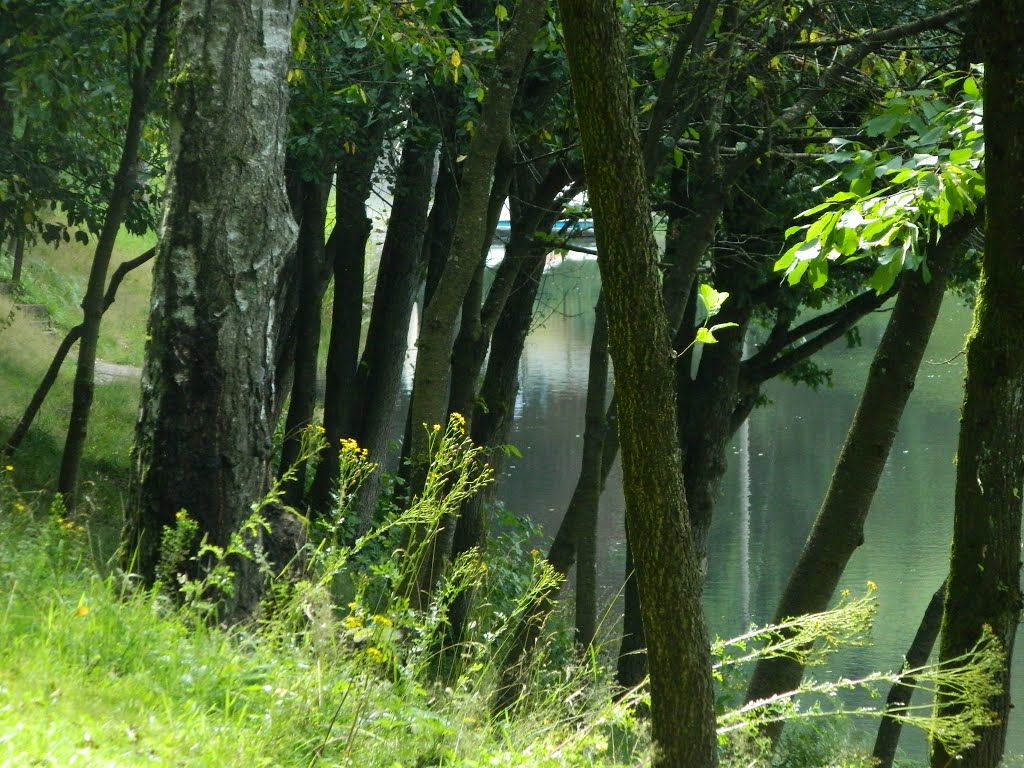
(337, 669)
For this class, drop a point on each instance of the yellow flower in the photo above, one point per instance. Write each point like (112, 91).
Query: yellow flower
(872, 586)
(82, 610)
(19, 507)
(9, 468)
(382, 620)
(376, 654)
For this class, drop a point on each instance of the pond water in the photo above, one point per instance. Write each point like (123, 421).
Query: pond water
(780, 465)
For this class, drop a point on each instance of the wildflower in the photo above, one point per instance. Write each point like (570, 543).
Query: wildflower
(375, 654)
(82, 610)
(19, 507)
(9, 468)
(437, 427)
(378, 619)
(352, 622)
(872, 586)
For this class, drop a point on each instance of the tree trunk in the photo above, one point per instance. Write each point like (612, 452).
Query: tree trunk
(588, 490)
(313, 277)
(159, 17)
(18, 256)
(984, 576)
(896, 702)
(631, 666)
(430, 384)
(667, 569)
(203, 440)
(839, 527)
(346, 251)
(399, 276)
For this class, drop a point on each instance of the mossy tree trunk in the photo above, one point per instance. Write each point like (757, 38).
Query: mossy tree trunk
(203, 441)
(984, 576)
(667, 570)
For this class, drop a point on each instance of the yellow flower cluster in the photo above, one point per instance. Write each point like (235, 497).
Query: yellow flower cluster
(350, 447)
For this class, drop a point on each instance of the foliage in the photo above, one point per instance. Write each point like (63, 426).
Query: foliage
(925, 174)
(65, 71)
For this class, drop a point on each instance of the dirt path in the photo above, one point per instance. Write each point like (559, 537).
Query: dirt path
(107, 373)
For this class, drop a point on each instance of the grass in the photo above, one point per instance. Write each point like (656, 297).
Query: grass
(96, 672)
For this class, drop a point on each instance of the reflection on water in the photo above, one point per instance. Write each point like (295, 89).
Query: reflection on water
(780, 465)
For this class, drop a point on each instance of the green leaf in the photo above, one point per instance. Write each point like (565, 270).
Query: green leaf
(971, 87)
(960, 156)
(712, 299)
(705, 336)
(861, 186)
(501, 12)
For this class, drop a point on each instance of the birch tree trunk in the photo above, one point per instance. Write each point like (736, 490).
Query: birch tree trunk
(203, 439)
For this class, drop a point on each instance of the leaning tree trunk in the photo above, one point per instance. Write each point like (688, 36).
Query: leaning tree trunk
(682, 699)
(203, 441)
(839, 527)
(901, 692)
(431, 380)
(158, 21)
(984, 576)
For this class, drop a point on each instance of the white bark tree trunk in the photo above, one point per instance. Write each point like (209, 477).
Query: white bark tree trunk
(204, 432)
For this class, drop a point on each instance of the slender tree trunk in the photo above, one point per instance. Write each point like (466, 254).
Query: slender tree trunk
(158, 20)
(667, 569)
(430, 384)
(984, 576)
(590, 485)
(203, 441)
(399, 276)
(631, 666)
(346, 252)
(492, 419)
(839, 527)
(898, 700)
(18, 255)
(313, 277)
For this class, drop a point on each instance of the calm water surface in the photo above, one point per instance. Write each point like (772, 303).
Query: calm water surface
(780, 465)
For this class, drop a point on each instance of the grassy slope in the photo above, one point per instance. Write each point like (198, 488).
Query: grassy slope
(94, 675)
(56, 278)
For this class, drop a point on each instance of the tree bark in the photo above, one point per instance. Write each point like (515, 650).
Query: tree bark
(984, 576)
(839, 527)
(203, 440)
(155, 34)
(667, 570)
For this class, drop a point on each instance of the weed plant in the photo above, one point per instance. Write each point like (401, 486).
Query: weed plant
(337, 670)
